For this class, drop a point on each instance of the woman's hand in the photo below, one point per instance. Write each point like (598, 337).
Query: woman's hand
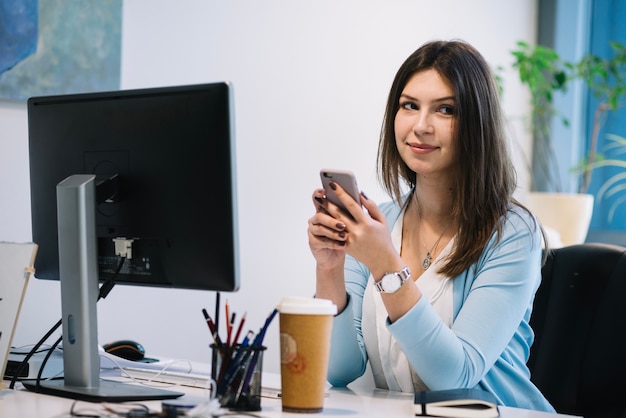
(327, 235)
(327, 240)
(363, 234)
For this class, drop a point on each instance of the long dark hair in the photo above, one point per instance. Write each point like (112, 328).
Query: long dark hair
(483, 173)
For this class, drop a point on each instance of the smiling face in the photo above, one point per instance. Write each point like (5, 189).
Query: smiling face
(424, 124)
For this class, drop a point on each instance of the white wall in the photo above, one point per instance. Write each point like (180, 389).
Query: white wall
(311, 80)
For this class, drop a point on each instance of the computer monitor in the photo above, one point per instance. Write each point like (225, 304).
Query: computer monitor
(154, 167)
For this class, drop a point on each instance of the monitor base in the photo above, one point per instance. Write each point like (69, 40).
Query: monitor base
(108, 391)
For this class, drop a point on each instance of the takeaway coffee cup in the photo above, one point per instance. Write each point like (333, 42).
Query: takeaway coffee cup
(305, 326)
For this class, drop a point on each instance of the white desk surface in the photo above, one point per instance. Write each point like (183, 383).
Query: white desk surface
(341, 402)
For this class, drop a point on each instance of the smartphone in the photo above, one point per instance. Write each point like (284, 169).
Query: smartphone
(345, 179)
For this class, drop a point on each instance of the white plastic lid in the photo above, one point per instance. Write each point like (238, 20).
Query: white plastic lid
(306, 306)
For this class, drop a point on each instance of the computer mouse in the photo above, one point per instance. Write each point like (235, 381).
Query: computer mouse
(126, 349)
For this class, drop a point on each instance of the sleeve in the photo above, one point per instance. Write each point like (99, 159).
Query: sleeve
(497, 302)
(348, 357)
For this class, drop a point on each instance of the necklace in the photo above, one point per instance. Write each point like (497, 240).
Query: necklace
(428, 260)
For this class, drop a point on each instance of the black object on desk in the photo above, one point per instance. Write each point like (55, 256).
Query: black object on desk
(456, 403)
(126, 349)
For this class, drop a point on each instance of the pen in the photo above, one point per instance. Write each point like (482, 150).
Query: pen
(212, 328)
(236, 368)
(217, 311)
(230, 331)
(259, 338)
(227, 372)
(258, 342)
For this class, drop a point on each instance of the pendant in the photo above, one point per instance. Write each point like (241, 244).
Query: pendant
(426, 262)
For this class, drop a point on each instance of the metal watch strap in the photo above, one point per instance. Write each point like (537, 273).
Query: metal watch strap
(403, 274)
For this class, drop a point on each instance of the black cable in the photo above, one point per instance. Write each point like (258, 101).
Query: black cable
(45, 360)
(105, 289)
(24, 362)
(108, 285)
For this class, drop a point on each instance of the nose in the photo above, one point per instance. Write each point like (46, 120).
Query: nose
(422, 124)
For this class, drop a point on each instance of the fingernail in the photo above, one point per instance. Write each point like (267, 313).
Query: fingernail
(319, 200)
(340, 226)
(342, 234)
(364, 196)
(332, 185)
(342, 243)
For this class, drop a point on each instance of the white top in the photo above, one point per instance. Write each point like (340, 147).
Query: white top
(390, 367)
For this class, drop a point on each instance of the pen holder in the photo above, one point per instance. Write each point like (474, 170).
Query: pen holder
(237, 372)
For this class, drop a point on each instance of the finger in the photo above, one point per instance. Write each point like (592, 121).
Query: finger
(321, 221)
(318, 194)
(322, 225)
(317, 242)
(319, 200)
(353, 208)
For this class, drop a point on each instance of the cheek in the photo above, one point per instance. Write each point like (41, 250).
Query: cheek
(402, 127)
(447, 134)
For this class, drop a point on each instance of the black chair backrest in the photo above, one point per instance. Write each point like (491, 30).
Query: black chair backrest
(578, 359)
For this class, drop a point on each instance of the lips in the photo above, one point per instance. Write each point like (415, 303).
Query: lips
(421, 148)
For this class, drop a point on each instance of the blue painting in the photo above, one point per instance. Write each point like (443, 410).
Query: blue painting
(59, 46)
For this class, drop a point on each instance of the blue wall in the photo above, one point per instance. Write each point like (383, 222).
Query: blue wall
(607, 24)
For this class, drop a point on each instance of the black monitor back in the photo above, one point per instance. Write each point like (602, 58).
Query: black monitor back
(168, 157)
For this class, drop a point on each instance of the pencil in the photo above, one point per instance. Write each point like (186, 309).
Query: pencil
(238, 333)
(229, 328)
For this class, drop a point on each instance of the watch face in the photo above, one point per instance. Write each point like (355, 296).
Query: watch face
(391, 283)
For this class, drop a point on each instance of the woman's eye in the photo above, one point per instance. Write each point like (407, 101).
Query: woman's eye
(409, 106)
(447, 110)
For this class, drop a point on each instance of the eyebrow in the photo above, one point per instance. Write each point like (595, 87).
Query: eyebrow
(441, 99)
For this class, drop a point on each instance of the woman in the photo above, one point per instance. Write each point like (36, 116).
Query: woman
(435, 288)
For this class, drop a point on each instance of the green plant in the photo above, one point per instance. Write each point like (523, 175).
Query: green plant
(543, 71)
(606, 79)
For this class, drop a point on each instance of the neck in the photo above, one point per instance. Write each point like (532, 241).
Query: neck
(435, 209)
(434, 224)
(427, 229)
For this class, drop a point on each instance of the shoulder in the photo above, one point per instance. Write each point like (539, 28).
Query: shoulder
(519, 222)
(519, 236)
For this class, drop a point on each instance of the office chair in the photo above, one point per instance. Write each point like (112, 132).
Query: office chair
(578, 359)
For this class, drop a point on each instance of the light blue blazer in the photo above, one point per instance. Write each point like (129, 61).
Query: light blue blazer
(489, 341)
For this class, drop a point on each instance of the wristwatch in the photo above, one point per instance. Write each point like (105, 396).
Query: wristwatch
(391, 282)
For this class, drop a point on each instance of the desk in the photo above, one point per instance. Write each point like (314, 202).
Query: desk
(341, 402)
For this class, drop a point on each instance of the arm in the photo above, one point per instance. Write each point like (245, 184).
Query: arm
(327, 242)
(496, 298)
(348, 355)
(348, 358)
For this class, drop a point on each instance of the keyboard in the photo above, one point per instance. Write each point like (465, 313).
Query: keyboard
(197, 380)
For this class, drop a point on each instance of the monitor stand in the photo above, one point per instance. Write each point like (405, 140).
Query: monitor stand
(106, 391)
(78, 270)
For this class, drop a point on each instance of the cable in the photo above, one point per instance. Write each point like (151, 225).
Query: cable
(24, 362)
(108, 285)
(104, 290)
(45, 360)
